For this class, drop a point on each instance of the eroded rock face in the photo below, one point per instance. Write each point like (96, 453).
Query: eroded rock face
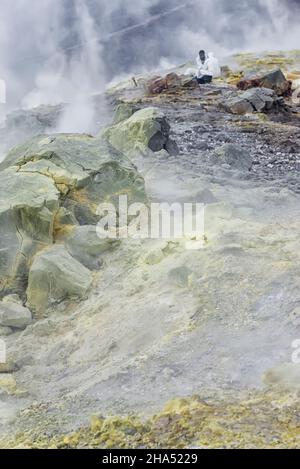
(238, 105)
(49, 186)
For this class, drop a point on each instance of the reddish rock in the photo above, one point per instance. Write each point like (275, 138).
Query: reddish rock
(274, 80)
(170, 83)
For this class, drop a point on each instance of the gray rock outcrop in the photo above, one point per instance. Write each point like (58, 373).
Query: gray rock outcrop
(145, 129)
(252, 100)
(50, 190)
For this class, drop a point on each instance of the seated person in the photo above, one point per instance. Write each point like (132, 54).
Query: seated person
(208, 68)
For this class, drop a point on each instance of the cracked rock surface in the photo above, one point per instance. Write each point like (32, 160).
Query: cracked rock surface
(48, 186)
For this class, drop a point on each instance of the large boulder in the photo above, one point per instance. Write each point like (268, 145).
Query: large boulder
(28, 204)
(48, 186)
(86, 169)
(54, 277)
(147, 128)
(274, 80)
(238, 105)
(252, 100)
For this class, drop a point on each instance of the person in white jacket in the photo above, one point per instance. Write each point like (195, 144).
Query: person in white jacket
(208, 67)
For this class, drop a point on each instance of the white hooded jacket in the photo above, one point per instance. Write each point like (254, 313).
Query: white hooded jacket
(210, 67)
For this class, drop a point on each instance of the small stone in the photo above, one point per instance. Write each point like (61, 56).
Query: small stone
(147, 128)
(14, 315)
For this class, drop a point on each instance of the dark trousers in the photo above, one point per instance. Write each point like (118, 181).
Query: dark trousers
(205, 79)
